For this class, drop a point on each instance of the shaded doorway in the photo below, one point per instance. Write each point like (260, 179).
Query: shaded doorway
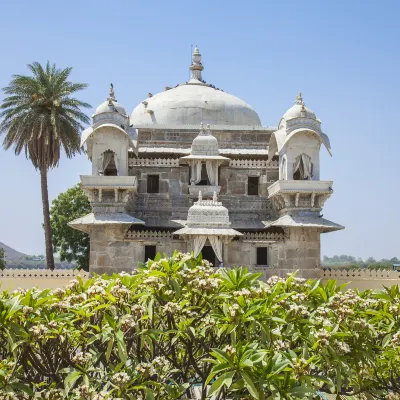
(209, 255)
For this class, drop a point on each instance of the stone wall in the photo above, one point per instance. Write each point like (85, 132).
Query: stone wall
(12, 279)
(173, 200)
(301, 251)
(183, 138)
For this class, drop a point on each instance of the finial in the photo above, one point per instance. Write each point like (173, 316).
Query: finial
(202, 132)
(299, 100)
(112, 94)
(196, 66)
(200, 196)
(215, 198)
(208, 130)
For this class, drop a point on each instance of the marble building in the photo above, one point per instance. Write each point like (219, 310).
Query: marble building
(193, 169)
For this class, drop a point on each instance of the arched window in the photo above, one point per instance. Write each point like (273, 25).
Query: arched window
(108, 164)
(303, 168)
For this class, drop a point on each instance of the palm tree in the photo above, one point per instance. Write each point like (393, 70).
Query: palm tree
(40, 117)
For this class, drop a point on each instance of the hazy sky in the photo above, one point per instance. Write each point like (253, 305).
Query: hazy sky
(343, 55)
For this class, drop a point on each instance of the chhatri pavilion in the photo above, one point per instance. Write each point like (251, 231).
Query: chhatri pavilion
(193, 169)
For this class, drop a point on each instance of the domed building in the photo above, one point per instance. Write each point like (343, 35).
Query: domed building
(193, 169)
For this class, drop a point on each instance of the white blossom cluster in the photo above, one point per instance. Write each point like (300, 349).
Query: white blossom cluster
(120, 379)
(127, 322)
(82, 358)
(96, 290)
(146, 369)
(138, 310)
(39, 331)
(172, 307)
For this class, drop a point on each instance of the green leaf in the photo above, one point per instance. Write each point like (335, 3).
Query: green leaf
(109, 348)
(250, 385)
(224, 379)
(70, 380)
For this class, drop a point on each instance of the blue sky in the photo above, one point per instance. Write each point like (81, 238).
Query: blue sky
(343, 55)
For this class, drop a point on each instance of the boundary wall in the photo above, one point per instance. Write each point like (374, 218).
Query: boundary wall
(361, 279)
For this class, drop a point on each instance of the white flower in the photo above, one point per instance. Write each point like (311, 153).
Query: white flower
(229, 349)
(145, 369)
(172, 307)
(82, 358)
(96, 289)
(396, 339)
(73, 285)
(120, 379)
(27, 310)
(323, 336)
(342, 347)
(138, 310)
(39, 331)
(127, 323)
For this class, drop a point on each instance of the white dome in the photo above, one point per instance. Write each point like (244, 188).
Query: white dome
(208, 214)
(109, 107)
(205, 144)
(299, 111)
(191, 104)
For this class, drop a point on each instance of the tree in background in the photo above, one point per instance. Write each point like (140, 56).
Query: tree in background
(72, 244)
(2, 261)
(40, 117)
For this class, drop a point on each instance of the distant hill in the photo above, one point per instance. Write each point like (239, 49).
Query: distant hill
(16, 259)
(11, 254)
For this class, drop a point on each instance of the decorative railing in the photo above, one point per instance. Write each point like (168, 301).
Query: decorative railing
(263, 236)
(365, 273)
(154, 162)
(256, 164)
(43, 274)
(174, 162)
(148, 235)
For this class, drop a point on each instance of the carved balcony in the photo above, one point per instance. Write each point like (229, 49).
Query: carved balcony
(288, 195)
(108, 189)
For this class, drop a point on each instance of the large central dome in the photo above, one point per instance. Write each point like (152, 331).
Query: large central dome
(192, 103)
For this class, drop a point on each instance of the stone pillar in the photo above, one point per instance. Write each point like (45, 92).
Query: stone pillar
(301, 252)
(109, 252)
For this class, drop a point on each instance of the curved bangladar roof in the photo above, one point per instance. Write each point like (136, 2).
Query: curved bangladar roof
(279, 139)
(90, 131)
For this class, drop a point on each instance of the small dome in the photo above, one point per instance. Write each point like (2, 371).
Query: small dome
(110, 106)
(208, 214)
(299, 110)
(205, 144)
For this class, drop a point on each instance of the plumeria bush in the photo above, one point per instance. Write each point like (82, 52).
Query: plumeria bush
(176, 326)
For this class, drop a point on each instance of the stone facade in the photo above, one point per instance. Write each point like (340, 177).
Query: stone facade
(152, 167)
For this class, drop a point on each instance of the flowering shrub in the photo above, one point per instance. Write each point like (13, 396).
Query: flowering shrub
(178, 323)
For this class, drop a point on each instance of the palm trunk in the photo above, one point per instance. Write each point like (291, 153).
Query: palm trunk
(46, 218)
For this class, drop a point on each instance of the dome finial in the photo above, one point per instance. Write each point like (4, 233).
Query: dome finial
(202, 132)
(208, 130)
(196, 66)
(215, 198)
(112, 94)
(299, 99)
(200, 196)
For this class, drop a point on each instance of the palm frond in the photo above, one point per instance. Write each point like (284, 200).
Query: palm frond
(40, 116)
